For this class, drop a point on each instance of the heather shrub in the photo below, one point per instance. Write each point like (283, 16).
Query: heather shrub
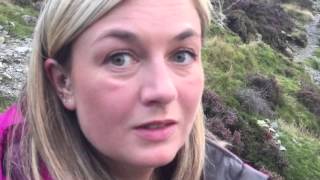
(253, 103)
(248, 140)
(269, 19)
(22, 2)
(239, 22)
(309, 96)
(267, 87)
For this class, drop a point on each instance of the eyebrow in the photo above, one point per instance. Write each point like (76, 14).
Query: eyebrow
(131, 37)
(185, 34)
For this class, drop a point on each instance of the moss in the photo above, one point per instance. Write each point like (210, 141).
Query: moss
(11, 19)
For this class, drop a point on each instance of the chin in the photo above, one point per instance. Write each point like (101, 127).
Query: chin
(157, 159)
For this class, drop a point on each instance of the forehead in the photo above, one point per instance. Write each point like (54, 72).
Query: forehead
(150, 16)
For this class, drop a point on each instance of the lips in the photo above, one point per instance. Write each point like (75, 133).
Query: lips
(159, 130)
(156, 124)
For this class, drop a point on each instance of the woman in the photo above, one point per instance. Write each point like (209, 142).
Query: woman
(113, 92)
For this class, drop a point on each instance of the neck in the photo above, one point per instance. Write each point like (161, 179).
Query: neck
(124, 173)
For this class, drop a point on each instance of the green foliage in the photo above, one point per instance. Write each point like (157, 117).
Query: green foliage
(303, 152)
(301, 15)
(317, 52)
(5, 102)
(11, 19)
(228, 62)
(314, 63)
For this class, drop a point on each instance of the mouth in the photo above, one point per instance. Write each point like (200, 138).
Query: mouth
(156, 124)
(158, 130)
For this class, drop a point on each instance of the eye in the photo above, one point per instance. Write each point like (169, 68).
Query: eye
(120, 59)
(184, 57)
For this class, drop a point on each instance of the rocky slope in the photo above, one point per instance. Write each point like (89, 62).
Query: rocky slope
(14, 54)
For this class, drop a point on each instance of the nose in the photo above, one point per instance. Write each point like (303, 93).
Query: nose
(158, 85)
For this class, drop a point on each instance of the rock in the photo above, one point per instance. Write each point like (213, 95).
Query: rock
(22, 50)
(1, 27)
(7, 76)
(288, 52)
(29, 20)
(5, 32)
(282, 148)
(2, 39)
(274, 125)
(272, 130)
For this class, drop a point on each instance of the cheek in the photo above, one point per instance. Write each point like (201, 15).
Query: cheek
(190, 96)
(103, 109)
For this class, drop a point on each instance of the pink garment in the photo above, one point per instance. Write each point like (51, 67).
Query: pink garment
(8, 118)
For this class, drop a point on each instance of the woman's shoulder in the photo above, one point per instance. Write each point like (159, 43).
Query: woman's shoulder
(223, 164)
(8, 118)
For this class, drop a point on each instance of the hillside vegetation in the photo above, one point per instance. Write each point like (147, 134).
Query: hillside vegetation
(260, 100)
(256, 96)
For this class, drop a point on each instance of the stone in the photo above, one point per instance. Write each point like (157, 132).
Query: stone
(1, 27)
(282, 148)
(2, 39)
(22, 50)
(274, 125)
(7, 76)
(288, 52)
(272, 130)
(29, 20)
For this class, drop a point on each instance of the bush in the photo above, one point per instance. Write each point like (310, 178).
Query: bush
(221, 121)
(22, 2)
(253, 103)
(270, 20)
(309, 96)
(249, 141)
(239, 22)
(267, 87)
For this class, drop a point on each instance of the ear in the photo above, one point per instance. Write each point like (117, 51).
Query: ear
(61, 81)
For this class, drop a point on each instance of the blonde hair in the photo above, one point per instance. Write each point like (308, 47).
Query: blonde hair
(51, 134)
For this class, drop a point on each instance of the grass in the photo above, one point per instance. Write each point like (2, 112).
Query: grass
(227, 62)
(298, 13)
(303, 152)
(314, 63)
(5, 102)
(11, 19)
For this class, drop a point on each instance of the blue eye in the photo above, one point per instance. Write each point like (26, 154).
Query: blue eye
(120, 59)
(184, 57)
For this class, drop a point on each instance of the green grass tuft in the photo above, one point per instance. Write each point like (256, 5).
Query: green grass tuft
(11, 19)
(303, 151)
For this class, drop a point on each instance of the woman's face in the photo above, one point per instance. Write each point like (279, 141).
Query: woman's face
(137, 80)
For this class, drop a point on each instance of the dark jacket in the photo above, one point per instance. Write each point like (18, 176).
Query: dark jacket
(221, 164)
